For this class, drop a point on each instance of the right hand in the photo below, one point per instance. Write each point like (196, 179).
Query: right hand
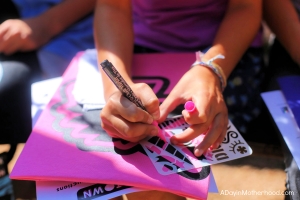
(22, 35)
(121, 118)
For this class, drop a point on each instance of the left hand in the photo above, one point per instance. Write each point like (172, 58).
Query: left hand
(201, 86)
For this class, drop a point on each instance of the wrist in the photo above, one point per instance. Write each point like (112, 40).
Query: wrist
(216, 69)
(39, 32)
(206, 75)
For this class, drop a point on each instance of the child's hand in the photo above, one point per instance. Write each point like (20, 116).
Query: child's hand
(123, 119)
(201, 86)
(21, 35)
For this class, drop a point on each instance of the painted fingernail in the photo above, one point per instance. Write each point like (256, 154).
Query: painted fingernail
(198, 152)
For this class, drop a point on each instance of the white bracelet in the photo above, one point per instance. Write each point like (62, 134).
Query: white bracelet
(214, 67)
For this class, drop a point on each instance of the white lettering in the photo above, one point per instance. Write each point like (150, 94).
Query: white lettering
(87, 193)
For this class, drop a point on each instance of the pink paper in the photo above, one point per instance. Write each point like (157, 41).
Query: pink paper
(163, 70)
(66, 145)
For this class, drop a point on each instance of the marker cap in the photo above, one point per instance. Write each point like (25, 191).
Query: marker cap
(189, 106)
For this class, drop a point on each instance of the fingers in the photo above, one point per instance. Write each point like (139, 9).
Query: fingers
(189, 134)
(169, 104)
(214, 130)
(119, 105)
(10, 41)
(10, 46)
(3, 38)
(219, 139)
(130, 131)
(16, 35)
(199, 122)
(111, 131)
(197, 117)
(123, 119)
(149, 100)
(214, 136)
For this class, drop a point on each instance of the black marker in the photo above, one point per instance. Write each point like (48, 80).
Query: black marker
(120, 83)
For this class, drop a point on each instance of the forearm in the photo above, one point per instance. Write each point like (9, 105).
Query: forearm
(113, 35)
(64, 14)
(237, 31)
(283, 21)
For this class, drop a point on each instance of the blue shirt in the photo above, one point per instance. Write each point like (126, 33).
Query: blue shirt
(77, 37)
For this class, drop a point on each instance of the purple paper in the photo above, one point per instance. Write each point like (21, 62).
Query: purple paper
(290, 86)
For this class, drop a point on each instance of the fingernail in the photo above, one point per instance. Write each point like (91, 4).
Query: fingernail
(173, 141)
(154, 132)
(156, 115)
(198, 152)
(150, 120)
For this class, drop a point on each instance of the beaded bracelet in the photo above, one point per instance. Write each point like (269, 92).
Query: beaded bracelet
(214, 67)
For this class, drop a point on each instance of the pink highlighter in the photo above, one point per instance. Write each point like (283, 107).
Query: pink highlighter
(189, 106)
